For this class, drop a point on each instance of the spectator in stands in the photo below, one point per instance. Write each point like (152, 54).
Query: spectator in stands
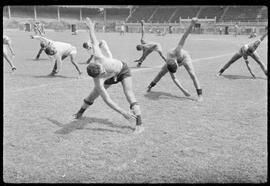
(58, 51)
(105, 72)
(147, 47)
(178, 57)
(7, 46)
(245, 51)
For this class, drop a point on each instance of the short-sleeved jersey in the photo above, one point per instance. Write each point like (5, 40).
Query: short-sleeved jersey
(249, 48)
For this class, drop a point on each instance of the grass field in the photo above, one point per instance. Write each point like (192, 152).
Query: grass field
(222, 139)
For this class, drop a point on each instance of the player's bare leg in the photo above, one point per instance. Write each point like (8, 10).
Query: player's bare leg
(134, 106)
(232, 60)
(162, 72)
(257, 59)
(89, 100)
(13, 68)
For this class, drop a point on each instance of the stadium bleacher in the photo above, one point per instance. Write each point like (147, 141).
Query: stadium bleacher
(162, 15)
(242, 13)
(141, 13)
(211, 12)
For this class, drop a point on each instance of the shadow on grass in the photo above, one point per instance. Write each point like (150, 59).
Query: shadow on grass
(81, 123)
(164, 95)
(40, 59)
(55, 76)
(240, 77)
(139, 67)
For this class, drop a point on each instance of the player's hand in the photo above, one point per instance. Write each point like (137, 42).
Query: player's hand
(129, 115)
(194, 19)
(187, 94)
(32, 37)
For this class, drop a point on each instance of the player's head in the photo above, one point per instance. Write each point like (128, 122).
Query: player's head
(171, 65)
(50, 50)
(139, 47)
(86, 45)
(94, 70)
(42, 44)
(257, 43)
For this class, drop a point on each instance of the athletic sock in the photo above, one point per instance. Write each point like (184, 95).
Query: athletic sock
(199, 91)
(152, 84)
(138, 120)
(221, 71)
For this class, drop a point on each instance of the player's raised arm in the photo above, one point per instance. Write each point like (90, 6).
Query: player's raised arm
(93, 38)
(103, 44)
(188, 31)
(142, 28)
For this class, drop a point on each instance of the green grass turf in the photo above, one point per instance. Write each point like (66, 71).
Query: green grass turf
(222, 140)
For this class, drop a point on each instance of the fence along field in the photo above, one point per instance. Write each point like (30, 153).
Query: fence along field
(223, 139)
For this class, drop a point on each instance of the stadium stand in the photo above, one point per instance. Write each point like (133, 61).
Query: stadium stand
(242, 13)
(185, 12)
(141, 13)
(211, 12)
(162, 15)
(117, 14)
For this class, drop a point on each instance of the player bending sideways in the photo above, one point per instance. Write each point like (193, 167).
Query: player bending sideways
(245, 51)
(105, 72)
(58, 51)
(7, 46)
(178, 57)
(102, 45)
(147, 47)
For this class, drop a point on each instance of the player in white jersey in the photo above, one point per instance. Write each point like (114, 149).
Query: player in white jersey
(182, 57)
(147, 47)
(7, 46)
(105, 72)
(58, 51)
(245, 51)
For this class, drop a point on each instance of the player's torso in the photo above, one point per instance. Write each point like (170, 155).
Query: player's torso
(63, 49)
(111, 66)
(180, 57)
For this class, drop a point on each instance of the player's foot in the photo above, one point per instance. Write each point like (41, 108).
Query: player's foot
(52, 73)
(148, 89)
(200, 99)
(218, 74)
(13, 69)
(138, 129)
(139, 65)
(78, 115)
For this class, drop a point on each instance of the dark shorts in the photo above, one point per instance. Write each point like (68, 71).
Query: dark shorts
(124, 73)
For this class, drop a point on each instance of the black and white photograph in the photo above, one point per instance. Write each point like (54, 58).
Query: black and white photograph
(130, 93)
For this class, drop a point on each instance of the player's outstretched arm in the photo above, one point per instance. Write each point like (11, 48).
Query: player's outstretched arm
(99, 83)
(178, 84)
(41, 38)
(144, 55)
(249, 69)
(162, 56)
(93, 38)
(188, 31)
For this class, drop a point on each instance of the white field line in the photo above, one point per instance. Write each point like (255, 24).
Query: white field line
(87, 78)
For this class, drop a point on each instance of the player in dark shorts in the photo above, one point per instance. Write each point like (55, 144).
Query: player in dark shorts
(245, 51)
(179, 57)
(105, 72)
(148, 47)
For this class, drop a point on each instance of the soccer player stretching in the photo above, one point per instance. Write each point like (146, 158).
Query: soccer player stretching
(147, 47)
(245, 51)
(7, 44)
(105, 72)
(182, 57)
(58, 51)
